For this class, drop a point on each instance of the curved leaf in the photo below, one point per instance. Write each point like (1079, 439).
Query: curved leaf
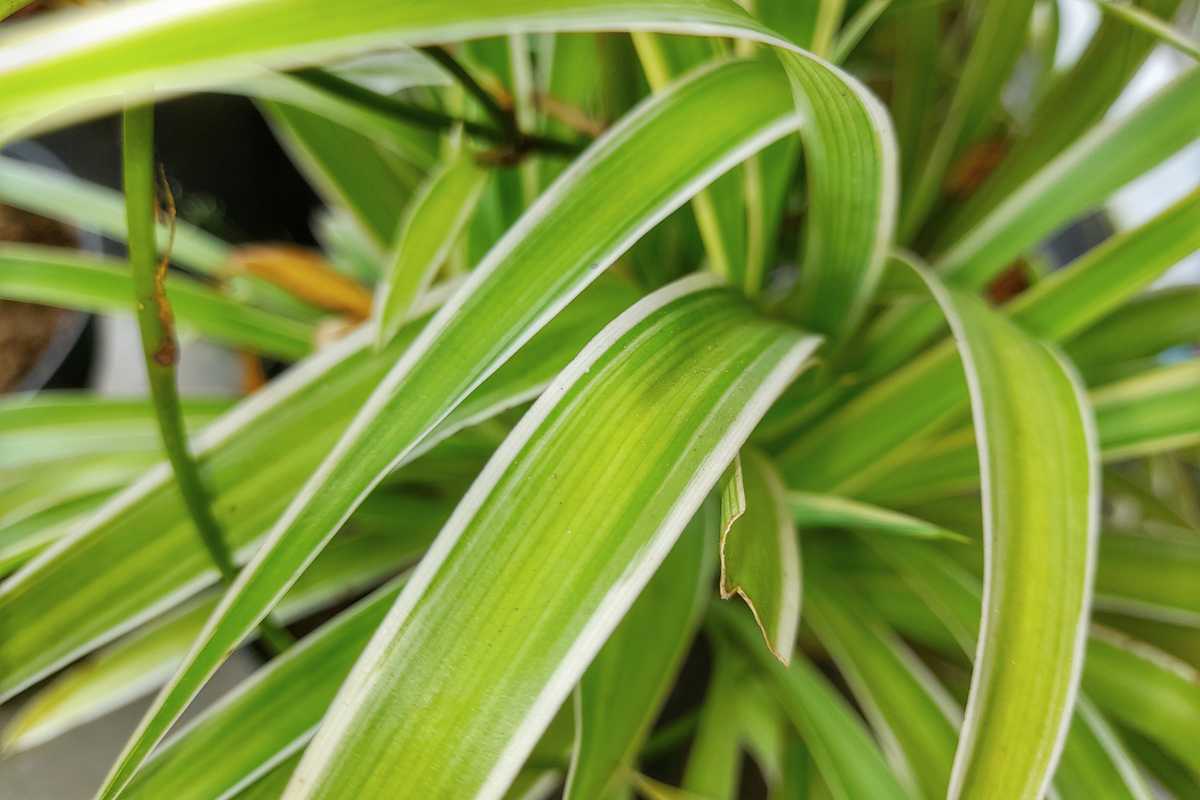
(760, 557)
(1041, 511)
(561, 245)
(106, 58)
(954, 596)
(659, 402)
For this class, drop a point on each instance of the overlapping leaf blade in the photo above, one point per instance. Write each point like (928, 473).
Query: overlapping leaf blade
(560, 245)
(142, 661)
(623, 689)
(909, 709)
(954, 596)
(89, 283)
(843, 750)
(433, 221)
(656, 402)
(143, 537)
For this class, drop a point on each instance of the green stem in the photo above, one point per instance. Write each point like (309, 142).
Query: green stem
(504, 117)
(159, 348)
(432, 119)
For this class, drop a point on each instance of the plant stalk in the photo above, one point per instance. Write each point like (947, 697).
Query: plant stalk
(506, 118)
(436, 120)
(159, 348)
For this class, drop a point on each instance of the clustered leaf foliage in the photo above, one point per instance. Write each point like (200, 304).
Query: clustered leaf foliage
(686, 396)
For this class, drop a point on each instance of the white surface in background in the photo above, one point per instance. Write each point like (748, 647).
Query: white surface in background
(204, 369)
(1078, 20)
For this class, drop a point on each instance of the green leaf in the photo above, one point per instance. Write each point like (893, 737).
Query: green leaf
(1094, 763)
(671, 447)
(62, 196)
(1111, 154)
(1148, 413)
(664, 450)
(100, 285)
(995, 47)
(109, 57)
(563, 242)
(915, 83)
(857, 27)
(54, 425)
(1074, 102)
(760, 556)
(714, 764)
(1125, 147)
(843, 750)
(623, 689)
(869, 441)
(1148, 690)
(1041, 511)
(432, 223)
(20, 541)
(1167, 771)
(271, 784)
(852, 173)
(141, 543)
(269, 716)
(1142, 328)
(1151, 412)
(955, 597)
(720, 210)
(1071, 300)
(70, 479)
(914, 716)
(823, 510)
(144, 660)
(1149, 23)
(346, 167)
(1153, 575)
(339, 94)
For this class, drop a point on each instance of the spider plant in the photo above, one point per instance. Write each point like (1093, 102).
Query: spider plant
(682, 393)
